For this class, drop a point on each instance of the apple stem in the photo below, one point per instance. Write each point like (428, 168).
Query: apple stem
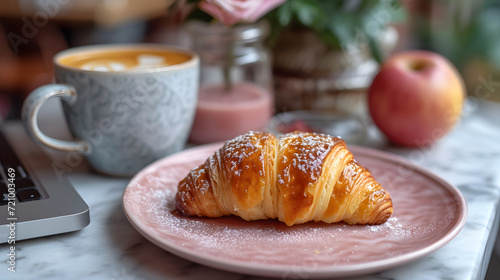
(418, 65)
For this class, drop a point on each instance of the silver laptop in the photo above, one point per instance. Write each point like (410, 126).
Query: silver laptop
(34, 200)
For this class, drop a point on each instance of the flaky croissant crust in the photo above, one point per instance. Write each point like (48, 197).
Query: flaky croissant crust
(296, 178)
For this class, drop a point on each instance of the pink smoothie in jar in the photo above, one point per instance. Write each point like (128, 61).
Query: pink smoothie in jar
(222, 115)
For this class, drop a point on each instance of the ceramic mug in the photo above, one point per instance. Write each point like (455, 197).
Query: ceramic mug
(126, 105)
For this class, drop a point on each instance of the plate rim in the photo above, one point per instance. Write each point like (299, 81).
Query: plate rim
(278, 270)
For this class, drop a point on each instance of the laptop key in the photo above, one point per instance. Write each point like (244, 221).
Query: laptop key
(4, 193)
(25, 183)
(28, 195)
(7, 156)
(16, 170)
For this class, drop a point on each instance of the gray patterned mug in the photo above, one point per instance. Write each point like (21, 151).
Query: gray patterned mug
(126, 105)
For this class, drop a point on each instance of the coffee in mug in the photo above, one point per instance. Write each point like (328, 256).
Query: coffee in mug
(123, 60)
(126, 105)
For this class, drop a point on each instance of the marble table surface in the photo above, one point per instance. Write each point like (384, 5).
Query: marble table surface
(110, 248)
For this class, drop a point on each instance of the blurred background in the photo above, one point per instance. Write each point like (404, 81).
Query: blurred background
(311, 70)
(465, 31)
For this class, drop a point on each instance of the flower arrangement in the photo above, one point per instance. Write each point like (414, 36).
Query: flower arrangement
(338, 23)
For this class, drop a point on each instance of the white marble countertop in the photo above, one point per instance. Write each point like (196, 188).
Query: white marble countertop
(110, 248)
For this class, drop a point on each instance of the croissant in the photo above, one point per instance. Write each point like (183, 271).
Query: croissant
(296, 178)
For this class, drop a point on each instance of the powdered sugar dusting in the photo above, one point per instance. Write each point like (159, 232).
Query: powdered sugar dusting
(425, 212)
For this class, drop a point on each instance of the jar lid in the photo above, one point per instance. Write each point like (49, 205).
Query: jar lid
(237, 33)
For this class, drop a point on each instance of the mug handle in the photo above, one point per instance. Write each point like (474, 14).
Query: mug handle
(29, 116)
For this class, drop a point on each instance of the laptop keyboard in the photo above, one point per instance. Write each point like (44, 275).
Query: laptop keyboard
(14, 180)
(33, 196)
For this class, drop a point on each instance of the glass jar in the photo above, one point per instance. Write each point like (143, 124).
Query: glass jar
(235, 94)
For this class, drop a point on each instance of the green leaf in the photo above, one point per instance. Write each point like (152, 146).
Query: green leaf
(375, 49)
(330, 39)
(329, 6)
(400, 12)
(341, 26)
(368, 5)
(284, 14)
(200, 15)
(308, 11)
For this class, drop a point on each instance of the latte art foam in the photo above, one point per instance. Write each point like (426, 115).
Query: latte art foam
(143, 61)
(123, 60)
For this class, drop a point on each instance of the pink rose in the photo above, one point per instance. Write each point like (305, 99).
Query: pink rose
(230, 12)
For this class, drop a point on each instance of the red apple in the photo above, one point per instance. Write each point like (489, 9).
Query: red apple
(416, 98)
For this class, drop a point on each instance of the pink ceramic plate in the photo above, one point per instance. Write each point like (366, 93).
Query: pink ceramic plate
(428, 212)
